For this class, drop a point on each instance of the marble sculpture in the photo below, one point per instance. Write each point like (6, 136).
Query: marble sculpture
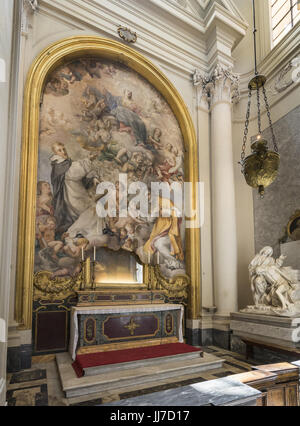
(275, 288)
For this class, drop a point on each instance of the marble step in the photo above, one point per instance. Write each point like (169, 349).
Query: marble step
(116, 379)
(114, 395)
(92, 371)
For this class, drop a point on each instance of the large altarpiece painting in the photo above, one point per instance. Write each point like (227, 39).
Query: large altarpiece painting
(95, 110)
(100, 119)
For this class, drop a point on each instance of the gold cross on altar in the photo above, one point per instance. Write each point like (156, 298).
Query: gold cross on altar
(131, 326)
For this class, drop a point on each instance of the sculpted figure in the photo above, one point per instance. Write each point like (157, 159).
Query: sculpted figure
(274, 287)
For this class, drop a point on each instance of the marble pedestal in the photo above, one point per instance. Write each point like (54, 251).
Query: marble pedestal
(281, 331)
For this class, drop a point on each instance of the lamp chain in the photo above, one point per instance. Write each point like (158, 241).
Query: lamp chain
(258, 110)
(270, 121)
(246, 126)
(254, 37)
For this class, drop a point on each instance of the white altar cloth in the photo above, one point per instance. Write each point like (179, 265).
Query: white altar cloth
(86, 310)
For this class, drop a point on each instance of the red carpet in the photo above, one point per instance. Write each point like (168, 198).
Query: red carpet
(129, 355)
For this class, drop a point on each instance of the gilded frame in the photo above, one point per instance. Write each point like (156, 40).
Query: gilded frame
(295, 217)
(50, 58)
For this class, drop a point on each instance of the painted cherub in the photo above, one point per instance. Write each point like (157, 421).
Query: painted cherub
(132, 166)
(170, 165)
(130, 228)
(128, 245)
(75, 249)
(46, 236)
(123, 236)
(44, 199)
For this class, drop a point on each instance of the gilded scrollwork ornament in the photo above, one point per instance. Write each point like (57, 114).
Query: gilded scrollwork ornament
(46, 286)
(176, 287)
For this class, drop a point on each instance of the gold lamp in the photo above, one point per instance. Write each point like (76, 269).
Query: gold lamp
(260, 168)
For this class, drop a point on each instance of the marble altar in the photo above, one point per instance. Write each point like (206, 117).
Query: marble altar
(98, 325)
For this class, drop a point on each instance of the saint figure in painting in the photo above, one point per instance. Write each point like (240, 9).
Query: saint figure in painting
(70, 181)
(166, 231)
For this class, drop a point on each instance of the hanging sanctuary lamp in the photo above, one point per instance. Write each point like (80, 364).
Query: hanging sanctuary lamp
(260, 168)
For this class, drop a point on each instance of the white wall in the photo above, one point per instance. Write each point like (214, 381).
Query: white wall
(6, 28)
(282, 99)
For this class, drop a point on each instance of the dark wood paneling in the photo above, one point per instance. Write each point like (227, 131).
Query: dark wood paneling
(51, 331)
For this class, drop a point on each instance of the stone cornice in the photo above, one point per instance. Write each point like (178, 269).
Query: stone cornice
(218, 13)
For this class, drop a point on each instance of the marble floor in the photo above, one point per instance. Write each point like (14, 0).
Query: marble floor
(41, 384)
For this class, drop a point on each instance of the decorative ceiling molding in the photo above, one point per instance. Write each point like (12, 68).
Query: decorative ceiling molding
(33, 4)
(203, 3)
(174, 48)
(173, 32)
(227, 4)
(183, 3)
(191, 12)
(231, 7)
(221, 27)
(190, 6)
(166, 30)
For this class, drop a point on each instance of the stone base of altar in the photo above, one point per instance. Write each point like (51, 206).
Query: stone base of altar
(115, 379)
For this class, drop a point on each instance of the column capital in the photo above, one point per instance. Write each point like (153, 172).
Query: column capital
(29, 7)
(224, 86)
(201, 81)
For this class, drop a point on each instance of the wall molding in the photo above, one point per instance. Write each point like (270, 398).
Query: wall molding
(165, 31)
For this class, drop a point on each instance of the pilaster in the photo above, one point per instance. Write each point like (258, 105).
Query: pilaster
(215, 95)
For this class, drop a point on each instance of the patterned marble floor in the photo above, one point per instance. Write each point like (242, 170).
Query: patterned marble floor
(41, 385)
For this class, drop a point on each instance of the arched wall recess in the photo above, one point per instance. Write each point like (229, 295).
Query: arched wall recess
(49, 59)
